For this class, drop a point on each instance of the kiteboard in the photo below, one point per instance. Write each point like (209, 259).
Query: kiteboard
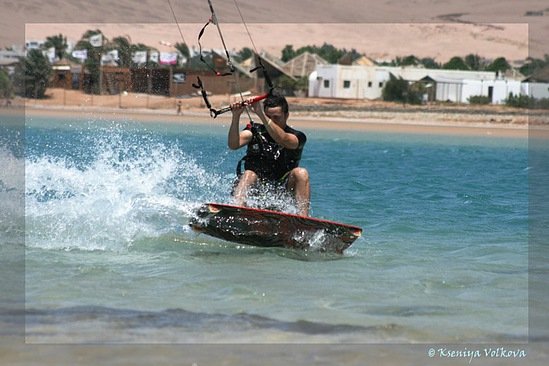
(267, 228)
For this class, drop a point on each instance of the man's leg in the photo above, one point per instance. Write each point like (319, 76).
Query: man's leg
(246, 180)
(298, 184)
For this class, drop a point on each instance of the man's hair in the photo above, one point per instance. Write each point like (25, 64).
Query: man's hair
(275, 99)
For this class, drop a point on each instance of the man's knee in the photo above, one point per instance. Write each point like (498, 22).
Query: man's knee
(249, 177)
(249, 174)
(243, 184)
(300, 174)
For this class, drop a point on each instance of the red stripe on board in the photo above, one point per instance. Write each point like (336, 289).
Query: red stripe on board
(314, 219)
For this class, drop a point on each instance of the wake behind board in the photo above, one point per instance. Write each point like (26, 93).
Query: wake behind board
(266, 228)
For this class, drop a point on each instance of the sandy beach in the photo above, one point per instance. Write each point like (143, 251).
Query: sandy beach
(306, 113)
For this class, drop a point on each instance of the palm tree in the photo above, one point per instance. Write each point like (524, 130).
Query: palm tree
(534, 64)
(473, 61)
(455, 63)
(410, 60)
(33, 73)
(124, 47)
(183, 49)
(90, 33)
(430, 63)
(93, 62)
(59, 43)
(288, 53)
(6, 87)
(139, 47)
(499, 64)
(244, 54)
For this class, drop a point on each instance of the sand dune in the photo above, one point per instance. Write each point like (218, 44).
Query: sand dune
(379, 41)
(382, 29)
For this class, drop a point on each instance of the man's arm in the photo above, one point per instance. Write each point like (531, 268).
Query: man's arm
(284, 139)
(237, 138)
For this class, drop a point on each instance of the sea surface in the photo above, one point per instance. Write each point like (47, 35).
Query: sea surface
(109, 256)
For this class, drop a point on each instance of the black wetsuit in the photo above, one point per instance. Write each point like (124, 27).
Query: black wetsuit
(266, 158)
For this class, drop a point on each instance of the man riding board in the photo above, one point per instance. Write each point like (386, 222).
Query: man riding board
(273, 151)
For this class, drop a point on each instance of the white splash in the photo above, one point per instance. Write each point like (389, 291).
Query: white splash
(125, 194)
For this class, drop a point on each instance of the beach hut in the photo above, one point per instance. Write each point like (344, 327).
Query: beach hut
(364, 61)
(274, 68)
(115, 79)
(66, 74)
(303, 64)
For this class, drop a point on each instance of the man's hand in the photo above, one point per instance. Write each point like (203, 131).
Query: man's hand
(237, 109)
(258, 109)
(237, 139)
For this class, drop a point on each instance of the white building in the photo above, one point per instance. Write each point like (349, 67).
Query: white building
(10, 57)
(367, 82)
(342, 81)
(503, 88)
(536, 90)
(33, 45)
(460, 90)
(537, 85)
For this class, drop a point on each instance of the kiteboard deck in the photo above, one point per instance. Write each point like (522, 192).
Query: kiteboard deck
(266, 228)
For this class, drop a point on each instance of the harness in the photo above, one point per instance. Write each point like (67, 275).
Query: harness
(266, 158)
(253, 152)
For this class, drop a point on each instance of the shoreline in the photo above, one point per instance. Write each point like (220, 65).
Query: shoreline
(395, 123)
(348, 115)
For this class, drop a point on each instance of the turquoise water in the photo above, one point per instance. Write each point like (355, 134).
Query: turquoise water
(109, 256)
